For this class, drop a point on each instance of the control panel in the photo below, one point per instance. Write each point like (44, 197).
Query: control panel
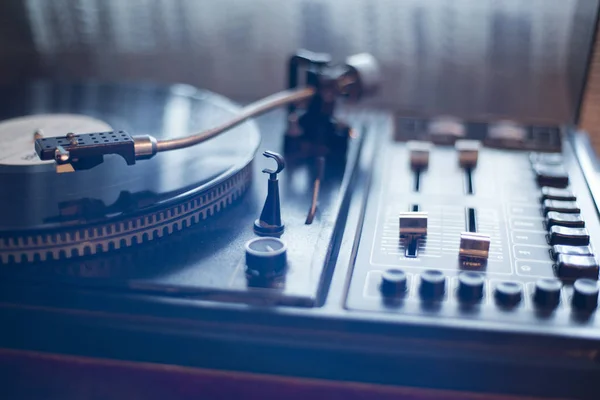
(492, 222)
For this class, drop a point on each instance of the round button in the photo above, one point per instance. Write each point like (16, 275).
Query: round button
(585, 295)
(265, 257)
(547, 293)
(508, 294)
(433, 285)
(393, 282)
(470, 287)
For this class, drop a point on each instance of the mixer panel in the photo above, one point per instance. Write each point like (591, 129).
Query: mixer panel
(463, 229)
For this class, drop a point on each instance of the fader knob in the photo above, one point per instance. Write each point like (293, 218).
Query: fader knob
(470, 287)
(507, 134)
(547, 293)
(446, 130)
(419, 153)
(585, 295)
(393, 282)
(433, 285)
(474, 246)
(266, 257)
(468, 152)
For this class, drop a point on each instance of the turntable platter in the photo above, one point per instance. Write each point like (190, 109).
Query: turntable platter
(45, 215)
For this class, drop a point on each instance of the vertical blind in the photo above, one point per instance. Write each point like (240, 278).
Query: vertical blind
(509, 58)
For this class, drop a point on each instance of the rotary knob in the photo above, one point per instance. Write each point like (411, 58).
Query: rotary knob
(585, 295)
(266, 257)
(433, 285)
(470, 287)
(393, 282)
(547, 293)
(508, 294)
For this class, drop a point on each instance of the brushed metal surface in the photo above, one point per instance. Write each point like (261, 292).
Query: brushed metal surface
(467, 57)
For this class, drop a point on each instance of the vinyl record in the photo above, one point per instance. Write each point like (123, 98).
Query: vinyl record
(45, 215)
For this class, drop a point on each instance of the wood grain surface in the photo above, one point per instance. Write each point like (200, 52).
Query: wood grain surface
(33, 375)
(590, 109)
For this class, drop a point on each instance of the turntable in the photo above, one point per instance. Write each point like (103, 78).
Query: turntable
(321, 240)
(129, 199)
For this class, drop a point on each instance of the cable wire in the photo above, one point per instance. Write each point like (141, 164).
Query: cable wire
(252, 110)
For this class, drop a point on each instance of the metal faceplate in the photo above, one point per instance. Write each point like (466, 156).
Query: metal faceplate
(506, 199)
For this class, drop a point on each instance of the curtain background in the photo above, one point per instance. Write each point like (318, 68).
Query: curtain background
(509, 58)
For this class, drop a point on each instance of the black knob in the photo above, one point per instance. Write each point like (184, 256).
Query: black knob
(547, 293)
(585, 295)
(508, 294)
(393, 282)
(470, 287)
(265, 257)
(433, 285)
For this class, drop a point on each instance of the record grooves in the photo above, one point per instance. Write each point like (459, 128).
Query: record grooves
(49, 216)
(74, 241)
